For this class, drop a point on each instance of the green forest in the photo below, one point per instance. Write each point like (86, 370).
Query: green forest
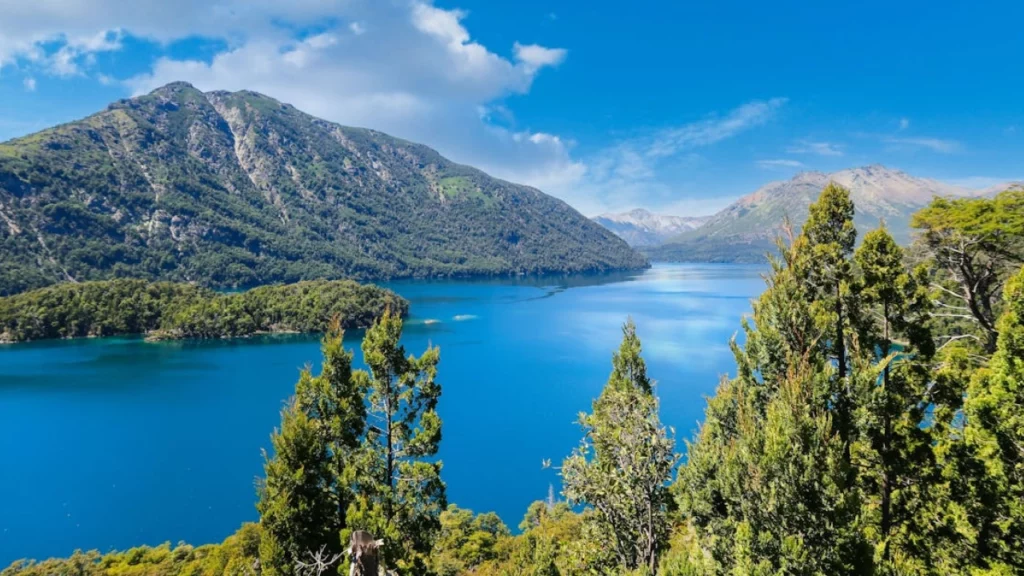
(231, 190)
(168, 310)
(874, 425)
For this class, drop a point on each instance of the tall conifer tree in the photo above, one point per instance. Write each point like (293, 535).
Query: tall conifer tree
(892, 449)
(625, 461)
(399, 492)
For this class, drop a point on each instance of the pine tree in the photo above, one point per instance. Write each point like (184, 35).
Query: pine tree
(625, 461)
(400, 495)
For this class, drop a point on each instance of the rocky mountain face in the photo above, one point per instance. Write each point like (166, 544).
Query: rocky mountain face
(237, 189)
(745, 230)
(642, 228)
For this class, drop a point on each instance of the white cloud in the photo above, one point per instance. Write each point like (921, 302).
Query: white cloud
(817, 148)
(780, 164)
(535, 57)
(939, 145)
(357, 28)
(30, 84)
(904, 123)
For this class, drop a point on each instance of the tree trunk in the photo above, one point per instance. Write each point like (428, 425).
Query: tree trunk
(886, 441)
(840, 333)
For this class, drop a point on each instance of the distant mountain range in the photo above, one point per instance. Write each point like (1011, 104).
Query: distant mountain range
(641, 228)
(745, 230)
(238, 189)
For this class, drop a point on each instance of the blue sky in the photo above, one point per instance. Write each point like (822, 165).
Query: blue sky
(674, 106)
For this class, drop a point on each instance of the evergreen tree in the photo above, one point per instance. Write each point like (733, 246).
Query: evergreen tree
(297, 512)
(765, 493)
(625, 461)
(400, 495)
(994, 435)
(892, 450)
(465, 541)
(830, 236)
(766, 486)
(307, 489)
(335, 399)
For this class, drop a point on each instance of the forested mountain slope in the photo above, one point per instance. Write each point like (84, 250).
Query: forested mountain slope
(238, 189)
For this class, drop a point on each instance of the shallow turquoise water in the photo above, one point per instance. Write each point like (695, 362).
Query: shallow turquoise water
(114, 443)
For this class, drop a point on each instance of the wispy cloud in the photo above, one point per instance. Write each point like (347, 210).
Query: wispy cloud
(30, 84)
(632, 171)
(818, 148)
(939, 145)
(670, 141)
(904, 123)
(779, 164)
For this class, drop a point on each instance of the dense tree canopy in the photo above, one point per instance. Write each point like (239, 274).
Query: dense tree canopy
(975, 245)
(165, 310)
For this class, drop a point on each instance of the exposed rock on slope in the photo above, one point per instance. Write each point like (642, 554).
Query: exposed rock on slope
(236, 189)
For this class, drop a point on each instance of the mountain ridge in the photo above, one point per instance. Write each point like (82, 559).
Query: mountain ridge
(640, 227)
(746, 229)
(233, 189)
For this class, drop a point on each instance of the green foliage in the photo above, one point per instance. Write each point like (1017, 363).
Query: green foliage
(555, 541)
(625, 461)
(764, 490)
(236, 189)
(465, 541)
(164, 310)
(827, 271)
(236, 556)
(892, 449)
(399, 491)
(307, 484)
(857, 436)
(973, 245)
(994, 435)
(297, 511)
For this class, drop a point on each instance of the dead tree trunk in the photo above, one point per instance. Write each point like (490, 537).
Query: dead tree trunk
(363, 552)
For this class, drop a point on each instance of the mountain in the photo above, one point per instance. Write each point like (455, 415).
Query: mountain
(237, 189)
(990, 191)
(745, 230)
(642, 228)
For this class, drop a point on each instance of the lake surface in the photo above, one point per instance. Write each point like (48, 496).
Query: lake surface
(112, 443)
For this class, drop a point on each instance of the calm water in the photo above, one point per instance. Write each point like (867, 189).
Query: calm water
(113, 443)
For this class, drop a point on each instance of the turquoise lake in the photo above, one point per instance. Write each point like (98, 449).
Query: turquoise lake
(112, 443)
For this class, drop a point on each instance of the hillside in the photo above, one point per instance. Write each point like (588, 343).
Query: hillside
(745, 230)
(237, 189)
(642, 228)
